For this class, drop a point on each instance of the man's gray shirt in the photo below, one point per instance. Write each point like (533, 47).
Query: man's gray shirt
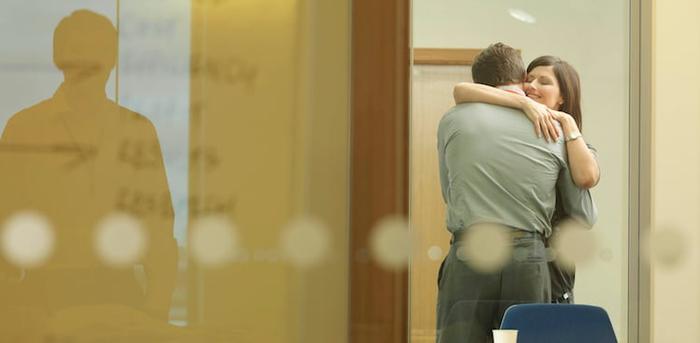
(494, 169)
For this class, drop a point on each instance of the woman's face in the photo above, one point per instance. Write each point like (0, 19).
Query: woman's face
(542, 86)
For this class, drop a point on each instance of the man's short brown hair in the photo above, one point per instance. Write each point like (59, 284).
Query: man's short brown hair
(498, 65)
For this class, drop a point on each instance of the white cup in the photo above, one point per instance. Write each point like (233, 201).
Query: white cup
(505, 336)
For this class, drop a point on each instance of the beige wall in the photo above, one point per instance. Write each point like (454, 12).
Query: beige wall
(255, 139)
(282, 135)
(600, 54)
(676, 196)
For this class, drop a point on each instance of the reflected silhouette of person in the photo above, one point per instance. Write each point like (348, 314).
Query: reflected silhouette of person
(77, 158)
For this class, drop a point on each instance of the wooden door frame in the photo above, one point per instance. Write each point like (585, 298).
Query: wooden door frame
(379, 163)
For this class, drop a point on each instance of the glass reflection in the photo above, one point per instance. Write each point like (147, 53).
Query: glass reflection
(123, 222)
(78, 158)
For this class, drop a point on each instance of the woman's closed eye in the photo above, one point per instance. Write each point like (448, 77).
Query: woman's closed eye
(545, 81)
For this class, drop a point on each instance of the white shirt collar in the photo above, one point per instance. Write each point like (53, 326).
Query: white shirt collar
(513, 89)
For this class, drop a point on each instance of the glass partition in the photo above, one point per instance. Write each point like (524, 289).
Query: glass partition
(174, 171)
(446, 37)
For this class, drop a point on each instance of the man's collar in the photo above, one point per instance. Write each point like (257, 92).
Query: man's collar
(512, 89)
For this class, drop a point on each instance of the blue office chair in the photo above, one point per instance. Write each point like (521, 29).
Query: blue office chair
(559, 323)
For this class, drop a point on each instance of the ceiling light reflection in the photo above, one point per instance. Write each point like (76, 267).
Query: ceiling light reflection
(521, 15)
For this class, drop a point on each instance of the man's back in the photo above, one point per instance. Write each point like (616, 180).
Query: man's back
(494, 169)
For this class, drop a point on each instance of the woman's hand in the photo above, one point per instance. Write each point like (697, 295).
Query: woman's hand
(568, 123)
(542, 117)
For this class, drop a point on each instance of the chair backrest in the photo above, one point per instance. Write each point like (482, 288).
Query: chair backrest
(557, 323)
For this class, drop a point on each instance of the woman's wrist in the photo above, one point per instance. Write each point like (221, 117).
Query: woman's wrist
(523, 102)
(569, 126)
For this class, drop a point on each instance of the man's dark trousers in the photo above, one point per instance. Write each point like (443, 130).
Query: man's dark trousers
(472, 303)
